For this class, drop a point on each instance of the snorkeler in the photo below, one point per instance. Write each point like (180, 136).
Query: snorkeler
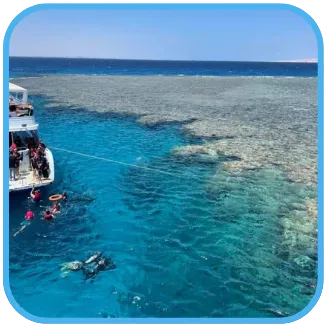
(64, 196)
(48, 215)
(28, 219)
(35, 195)
(95, 256)
(91, 267)
(106, 264)
(95, 267)
(56, 208)
(29, 214)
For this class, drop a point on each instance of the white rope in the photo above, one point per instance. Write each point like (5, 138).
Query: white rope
(117, 162)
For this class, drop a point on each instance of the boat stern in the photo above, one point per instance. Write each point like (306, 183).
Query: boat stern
(27, 178)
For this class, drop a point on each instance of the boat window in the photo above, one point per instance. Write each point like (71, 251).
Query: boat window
(18, 96)
(25, 139)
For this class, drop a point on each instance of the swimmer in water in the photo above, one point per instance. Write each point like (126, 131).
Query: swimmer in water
(72, 266)
(29, 215)
(35, 195)
(56, 208)
(100, 264)
(64, 196)
(105, 264)
(94, 257)
(28, 219)
(89, 273)
(48, 215)
(90, 267)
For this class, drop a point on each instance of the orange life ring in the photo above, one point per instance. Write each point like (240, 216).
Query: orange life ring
(55, 197)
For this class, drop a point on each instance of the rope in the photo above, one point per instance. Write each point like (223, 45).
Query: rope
(193, 176)
(117, 162)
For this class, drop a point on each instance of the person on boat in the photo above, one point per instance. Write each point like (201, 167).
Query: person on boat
(32, 151)
(42, 145)
(17, 162)
(13, 146)
(12, 110)
(41, 148)
(48, 215)
(34, 164)
(56, 207)
(35, 195)
(31, 154)
(18, 141)
(31, 144)
(41, 165)
(39, 155)
(38, 152)
(44, 167)
(12, 165)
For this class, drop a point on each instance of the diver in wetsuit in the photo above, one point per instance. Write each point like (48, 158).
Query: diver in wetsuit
(92, 266)
(100, 264)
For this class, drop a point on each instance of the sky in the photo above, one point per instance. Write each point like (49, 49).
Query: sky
(224, 34)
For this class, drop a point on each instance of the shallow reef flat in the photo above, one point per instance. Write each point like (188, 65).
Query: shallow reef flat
(257, 122)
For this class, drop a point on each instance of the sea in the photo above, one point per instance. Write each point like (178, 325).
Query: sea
(180, 249)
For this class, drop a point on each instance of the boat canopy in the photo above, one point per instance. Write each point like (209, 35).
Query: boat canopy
(15, 89)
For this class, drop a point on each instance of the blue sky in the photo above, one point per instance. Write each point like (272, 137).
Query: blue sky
(266, 35)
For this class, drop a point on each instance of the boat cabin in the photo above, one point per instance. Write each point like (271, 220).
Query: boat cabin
(18, 105)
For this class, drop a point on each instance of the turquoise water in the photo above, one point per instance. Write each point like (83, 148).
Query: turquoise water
(187, 245)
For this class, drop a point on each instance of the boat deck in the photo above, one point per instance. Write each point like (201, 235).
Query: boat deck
(26, 181)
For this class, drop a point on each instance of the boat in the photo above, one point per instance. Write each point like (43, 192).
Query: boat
(24, 136)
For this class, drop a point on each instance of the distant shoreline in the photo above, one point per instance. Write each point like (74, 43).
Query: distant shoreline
(306, 61)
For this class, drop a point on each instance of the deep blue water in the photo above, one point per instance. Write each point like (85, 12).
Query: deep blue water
(21, 67)
(185, 246)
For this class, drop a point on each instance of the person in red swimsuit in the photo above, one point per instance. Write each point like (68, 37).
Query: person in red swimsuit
(28, 218)
(48, 215)
(35, 195)
(56, 207)
(29, 215)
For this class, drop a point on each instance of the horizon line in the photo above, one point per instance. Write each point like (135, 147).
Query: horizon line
(311, 60)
